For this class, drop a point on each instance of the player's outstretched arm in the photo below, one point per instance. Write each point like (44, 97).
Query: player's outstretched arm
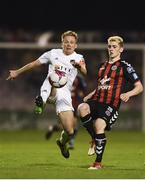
(15, 73)
(138, 88)
(86, 98)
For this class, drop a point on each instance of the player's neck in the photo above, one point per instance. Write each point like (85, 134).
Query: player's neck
(113, 60)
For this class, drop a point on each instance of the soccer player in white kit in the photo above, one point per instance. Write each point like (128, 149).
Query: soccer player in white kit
(68, 61)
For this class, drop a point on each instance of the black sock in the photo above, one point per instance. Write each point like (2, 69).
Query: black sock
(88, 124)
(100, 141)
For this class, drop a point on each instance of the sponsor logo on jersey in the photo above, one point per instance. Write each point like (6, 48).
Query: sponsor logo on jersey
(103, 84)
(64, 69)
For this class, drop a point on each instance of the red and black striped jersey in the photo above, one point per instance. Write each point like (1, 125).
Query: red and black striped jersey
(111, 80)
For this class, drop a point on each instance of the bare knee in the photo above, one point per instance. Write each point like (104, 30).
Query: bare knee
(83, 109)
(99, 125)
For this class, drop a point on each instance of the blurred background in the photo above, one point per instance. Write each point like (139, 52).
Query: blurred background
(29, 28)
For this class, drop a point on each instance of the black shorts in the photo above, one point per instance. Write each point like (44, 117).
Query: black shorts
(103, 111)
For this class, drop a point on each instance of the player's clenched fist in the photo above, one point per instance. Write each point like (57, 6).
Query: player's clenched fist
(124, 97)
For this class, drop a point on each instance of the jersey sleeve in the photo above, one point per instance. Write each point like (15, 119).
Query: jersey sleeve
(45, 58)
(79, 58)
(130, 73)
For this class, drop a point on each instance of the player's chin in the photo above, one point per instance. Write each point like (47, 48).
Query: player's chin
(112, 56)
(69, 51)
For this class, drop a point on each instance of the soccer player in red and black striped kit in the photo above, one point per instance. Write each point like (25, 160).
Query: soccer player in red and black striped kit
(100, 108)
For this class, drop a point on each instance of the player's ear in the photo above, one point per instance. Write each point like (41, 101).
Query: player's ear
(76, 46)
(121, 49)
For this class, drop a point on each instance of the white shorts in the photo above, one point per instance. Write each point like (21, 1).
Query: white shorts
(63, 99)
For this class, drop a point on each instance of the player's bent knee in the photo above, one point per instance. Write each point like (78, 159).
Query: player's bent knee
(83, 108)
(100, 126)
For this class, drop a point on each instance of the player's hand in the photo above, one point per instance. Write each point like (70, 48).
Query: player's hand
(124, 97)
(12, 74)
(75, 64)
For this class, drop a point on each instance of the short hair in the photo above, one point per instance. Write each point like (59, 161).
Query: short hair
(69, 33)
(117, 39)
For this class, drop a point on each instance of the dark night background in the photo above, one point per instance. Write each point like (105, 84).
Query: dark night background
(41, 23)
(73, 14)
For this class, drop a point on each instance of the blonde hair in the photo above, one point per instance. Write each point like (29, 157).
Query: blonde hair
(117, 39)
(69, 33)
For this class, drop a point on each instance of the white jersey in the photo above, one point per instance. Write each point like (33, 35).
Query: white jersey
(57, 57)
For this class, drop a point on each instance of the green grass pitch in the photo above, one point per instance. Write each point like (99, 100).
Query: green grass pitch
(26, 154)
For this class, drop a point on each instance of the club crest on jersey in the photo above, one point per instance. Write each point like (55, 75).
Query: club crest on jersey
(114, 67)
